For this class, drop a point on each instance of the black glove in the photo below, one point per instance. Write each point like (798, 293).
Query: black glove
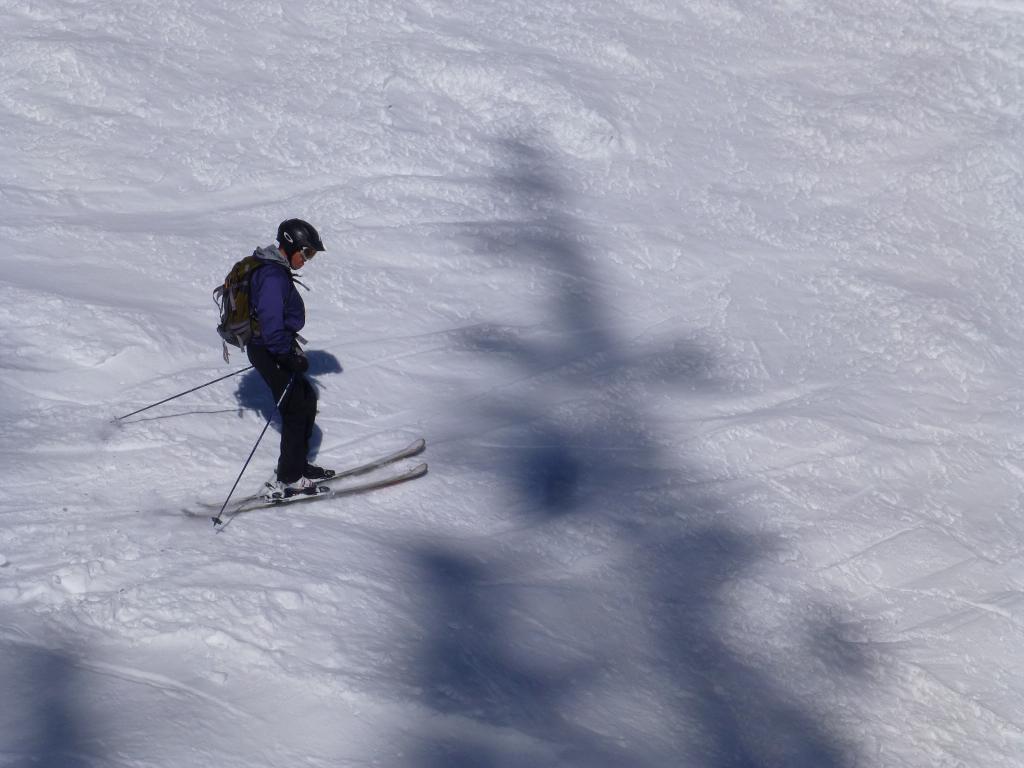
(296, 362)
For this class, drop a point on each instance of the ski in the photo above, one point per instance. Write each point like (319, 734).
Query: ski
(414, 448)
(258, 501)
(328, 493)
(349, 490)
(312, 493)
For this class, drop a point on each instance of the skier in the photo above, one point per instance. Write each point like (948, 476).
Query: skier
(274, 351)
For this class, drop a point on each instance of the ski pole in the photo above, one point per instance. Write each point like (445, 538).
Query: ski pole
(180, 394)
(217, 520)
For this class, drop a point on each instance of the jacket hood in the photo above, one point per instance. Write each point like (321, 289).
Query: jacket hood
(272, 254)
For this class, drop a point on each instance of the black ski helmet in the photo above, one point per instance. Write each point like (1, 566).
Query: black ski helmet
(295, 234)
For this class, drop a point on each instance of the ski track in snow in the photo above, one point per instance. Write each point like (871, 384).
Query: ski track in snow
(709, 312)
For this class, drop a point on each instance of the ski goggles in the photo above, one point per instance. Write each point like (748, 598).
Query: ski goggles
(308, 252)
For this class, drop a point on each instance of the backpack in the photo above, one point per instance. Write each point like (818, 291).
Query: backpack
(237, 325)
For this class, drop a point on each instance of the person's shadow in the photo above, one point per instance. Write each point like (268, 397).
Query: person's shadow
(48, 726)
(254, 394)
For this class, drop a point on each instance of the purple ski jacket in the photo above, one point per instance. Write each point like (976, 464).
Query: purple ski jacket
(275, 302)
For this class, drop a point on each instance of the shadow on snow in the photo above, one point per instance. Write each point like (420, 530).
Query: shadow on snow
(49, 730)
(545, 668)
(253, 393)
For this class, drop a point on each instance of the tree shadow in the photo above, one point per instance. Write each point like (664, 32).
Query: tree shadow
(578, 446)
(49, 730)
(253, 394)
(472, 671)
(743, 716)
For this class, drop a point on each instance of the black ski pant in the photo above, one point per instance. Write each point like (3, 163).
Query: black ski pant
(298, 412)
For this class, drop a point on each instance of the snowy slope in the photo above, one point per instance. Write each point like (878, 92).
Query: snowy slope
(709, 312)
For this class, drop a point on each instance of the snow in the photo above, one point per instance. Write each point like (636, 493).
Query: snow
(709, 312)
